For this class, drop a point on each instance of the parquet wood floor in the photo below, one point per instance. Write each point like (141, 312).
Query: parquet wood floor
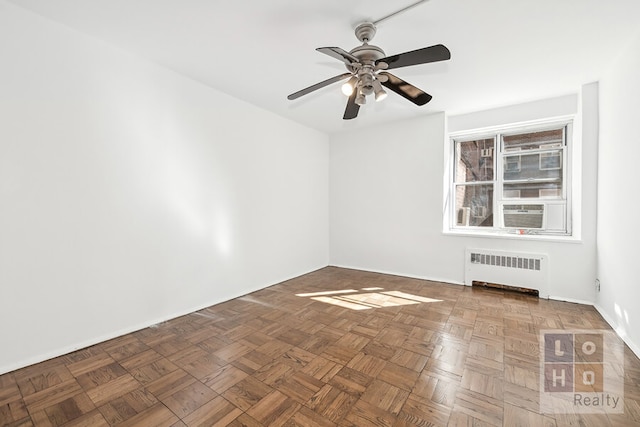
(273, 358)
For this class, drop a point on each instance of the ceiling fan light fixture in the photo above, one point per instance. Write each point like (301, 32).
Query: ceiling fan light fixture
(367, 65)
(349, 86)
(381, 94)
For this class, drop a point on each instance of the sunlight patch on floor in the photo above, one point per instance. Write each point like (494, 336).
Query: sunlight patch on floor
(315, 294)
(368, 299)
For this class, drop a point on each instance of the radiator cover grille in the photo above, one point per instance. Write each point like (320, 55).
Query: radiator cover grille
(509, 261)
(526, 270)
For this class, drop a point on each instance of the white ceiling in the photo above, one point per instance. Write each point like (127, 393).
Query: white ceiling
(503, 51)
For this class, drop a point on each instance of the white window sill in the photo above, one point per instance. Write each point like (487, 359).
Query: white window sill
(506, 235)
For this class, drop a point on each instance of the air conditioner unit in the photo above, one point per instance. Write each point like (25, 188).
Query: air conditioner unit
(523, 216)
(463, 217)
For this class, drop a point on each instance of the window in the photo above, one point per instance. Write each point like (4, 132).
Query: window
(512, 181)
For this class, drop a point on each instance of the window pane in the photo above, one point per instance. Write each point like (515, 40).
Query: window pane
(546, 165)
(525, 190)
(474, 160)
(533, 140)
(474, 205)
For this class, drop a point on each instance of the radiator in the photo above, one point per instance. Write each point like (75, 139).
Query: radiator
(517, 269)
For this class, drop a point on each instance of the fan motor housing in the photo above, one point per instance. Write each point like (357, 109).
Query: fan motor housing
(367, 54)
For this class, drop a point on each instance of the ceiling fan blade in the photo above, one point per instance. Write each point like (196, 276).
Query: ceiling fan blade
(351, 112)
(339, 54)
(317, 86)
(405, 90)
(420, 56)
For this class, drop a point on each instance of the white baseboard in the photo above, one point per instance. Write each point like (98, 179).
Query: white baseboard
(572, 300)
(393, 273)
(633, 346)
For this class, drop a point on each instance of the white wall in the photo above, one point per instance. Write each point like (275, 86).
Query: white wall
(386, 207)
(129, 194)
(618, 197)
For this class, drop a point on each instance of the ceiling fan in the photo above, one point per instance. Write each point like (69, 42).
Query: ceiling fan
(367, 65)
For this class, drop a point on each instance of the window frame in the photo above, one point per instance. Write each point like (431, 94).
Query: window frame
(497, 133)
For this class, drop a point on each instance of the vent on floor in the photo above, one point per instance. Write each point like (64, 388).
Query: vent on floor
(528, 291)
(507, 269)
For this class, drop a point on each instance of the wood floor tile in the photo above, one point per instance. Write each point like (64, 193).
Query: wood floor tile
(158, 416)
(153, 371)
(300, 387)
(50, 396)
(296, 358)
(487, 349)
(274, 409)
(42, 377)
(101, 375)
(92, 419)
(244, 420)
(461, 331)
(197, 362)
(351, 381)
(232, 352)
(278, 358)
(305, 417)
(9, 390)
(214, 343)
(419, 412)
(13, 411)
(256, 338)
(392, 337)
(368, 364)
(523, 376)
(127, 346)
(274, 348)
(521, 397)
(247, 393)
(363, 414)
(65, 411)
(217, 412)
(113, 389)
(166, 385)
(186, 400)
(139, 360)
(409, 359)
(489, 328)
(385, 396)
(322, 369)
(479, 406)
(274, 373)
(90, 363)
(252, 362)
(339, 354)
(127, 406)
(332, 403)
(487, 383)
(381, 350)
(223, 378)
(436, 389)
(398, 376)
